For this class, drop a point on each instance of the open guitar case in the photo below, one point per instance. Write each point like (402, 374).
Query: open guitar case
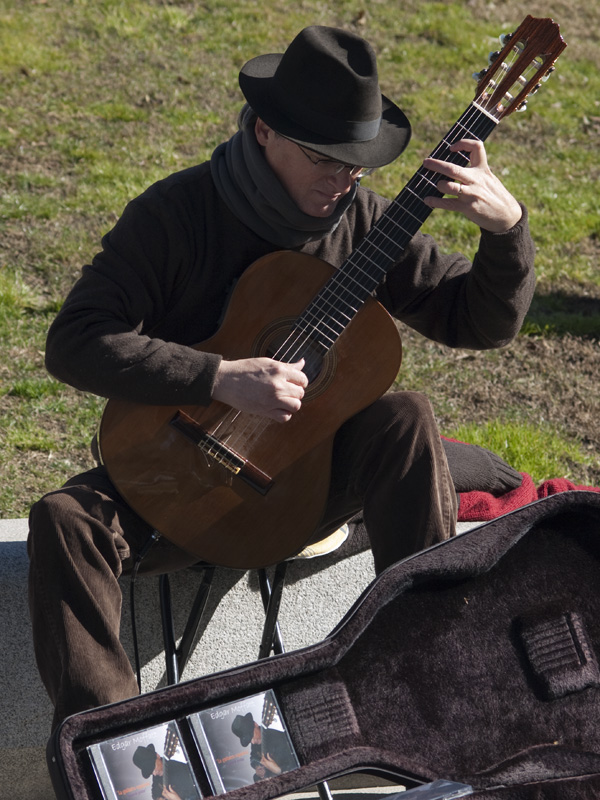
(474, 661)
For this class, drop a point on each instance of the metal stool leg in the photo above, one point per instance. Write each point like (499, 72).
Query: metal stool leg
(271, 640)
(176, 657)
(271, 598)
(168, 628)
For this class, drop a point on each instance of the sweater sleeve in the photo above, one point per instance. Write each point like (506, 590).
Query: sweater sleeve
(101, 340)
(478, 305)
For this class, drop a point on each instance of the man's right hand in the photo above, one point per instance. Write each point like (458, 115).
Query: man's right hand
(261, 386)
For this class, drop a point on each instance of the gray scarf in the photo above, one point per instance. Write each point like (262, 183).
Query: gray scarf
(253, 193)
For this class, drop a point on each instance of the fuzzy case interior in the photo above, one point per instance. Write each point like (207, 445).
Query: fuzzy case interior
(476, 661)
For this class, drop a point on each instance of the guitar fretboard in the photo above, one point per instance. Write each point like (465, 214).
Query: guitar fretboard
(344, 294)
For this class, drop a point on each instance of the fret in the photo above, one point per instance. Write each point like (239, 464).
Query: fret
(375, 263)
(364, 271)
(386, 236)
(408, 223)
(380, 246)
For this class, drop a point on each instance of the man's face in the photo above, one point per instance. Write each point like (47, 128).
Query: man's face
(158, 766)
(257, 736)
(313, 192)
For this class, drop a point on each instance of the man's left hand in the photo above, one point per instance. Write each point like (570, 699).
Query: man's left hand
(476, 191)
(170, 794)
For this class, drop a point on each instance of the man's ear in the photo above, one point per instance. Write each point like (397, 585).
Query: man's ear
(263, 132)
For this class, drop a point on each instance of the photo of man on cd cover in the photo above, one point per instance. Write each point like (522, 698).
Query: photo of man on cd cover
(244, 742)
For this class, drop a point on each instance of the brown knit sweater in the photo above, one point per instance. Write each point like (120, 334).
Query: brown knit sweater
(165, 271)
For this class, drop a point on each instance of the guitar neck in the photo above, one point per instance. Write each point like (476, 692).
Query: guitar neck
(527, 57)
(344, 294)
(386, 241)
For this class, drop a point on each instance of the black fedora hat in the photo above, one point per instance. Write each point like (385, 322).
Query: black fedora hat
(145, 759)
(323, 93)
(243, 728)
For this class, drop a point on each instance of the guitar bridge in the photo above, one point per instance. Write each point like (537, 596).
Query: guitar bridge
(214, 448)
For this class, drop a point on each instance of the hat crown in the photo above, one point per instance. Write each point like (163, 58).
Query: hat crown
(326, 74)
(243, 728)
(145, 759)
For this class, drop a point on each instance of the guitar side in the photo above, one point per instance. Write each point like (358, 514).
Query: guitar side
(236, 489)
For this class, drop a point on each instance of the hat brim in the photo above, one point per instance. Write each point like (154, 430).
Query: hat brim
(394, 133)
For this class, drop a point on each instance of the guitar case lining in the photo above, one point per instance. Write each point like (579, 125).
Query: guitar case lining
(474, 661)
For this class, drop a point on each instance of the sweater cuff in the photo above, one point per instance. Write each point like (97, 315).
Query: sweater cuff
(206, 379)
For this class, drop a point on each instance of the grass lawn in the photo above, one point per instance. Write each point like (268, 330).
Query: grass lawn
(100, 99)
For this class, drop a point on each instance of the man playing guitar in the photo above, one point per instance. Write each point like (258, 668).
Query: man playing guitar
(315, 124)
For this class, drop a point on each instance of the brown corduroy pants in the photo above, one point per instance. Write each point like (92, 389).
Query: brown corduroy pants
(388, 460)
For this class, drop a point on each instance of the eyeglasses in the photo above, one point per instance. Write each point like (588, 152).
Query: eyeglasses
(330, 167)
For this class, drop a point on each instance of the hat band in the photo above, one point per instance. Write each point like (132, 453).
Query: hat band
(343, 130)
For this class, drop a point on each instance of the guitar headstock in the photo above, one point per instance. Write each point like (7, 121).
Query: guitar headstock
(515, 72)
(171, 742)
(269, 711)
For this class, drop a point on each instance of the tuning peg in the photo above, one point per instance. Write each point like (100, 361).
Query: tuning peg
(477, 76)
(522, 106)
(493, 56)
(504, 38)
(547, 75)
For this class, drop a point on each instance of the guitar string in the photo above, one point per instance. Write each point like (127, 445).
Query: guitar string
(383, 239)
(298, 336)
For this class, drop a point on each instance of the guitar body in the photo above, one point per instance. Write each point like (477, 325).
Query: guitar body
(262, 503)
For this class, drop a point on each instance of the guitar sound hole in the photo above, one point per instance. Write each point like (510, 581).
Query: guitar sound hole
(308, 350)
(280, 342)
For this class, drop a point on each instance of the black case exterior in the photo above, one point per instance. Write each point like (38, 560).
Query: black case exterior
(475, 661)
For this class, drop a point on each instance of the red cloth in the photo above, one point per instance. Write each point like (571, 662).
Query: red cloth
(482, 506)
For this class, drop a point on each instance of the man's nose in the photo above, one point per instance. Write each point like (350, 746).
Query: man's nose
(342, 181)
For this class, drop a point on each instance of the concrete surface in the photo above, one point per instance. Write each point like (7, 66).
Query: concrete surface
(314, 600)
(317, 594)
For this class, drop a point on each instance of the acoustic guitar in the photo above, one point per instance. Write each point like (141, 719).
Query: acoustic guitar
(172, 744)
(242, 491)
